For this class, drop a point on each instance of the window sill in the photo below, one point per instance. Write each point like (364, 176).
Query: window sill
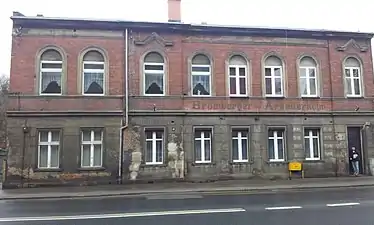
(275, 97)
(203, 163)
(157, 96)
(240, 163)
(310, 97)
(91, 169)
(48, 170)
(277, 162)
(354, 97)
(153, 165)
(239, 96)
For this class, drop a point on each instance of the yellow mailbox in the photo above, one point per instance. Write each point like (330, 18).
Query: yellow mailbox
(295, 167)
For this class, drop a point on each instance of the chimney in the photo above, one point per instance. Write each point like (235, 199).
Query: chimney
(174, 11)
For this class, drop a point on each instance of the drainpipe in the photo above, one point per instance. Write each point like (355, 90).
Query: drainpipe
(124, 125)
(332, 109)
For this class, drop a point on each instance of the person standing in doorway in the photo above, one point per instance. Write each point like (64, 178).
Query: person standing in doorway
(355, 159)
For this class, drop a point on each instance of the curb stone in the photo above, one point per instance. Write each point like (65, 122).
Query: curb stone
(201, 191)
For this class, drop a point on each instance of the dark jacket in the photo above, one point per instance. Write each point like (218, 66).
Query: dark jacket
(354, 156)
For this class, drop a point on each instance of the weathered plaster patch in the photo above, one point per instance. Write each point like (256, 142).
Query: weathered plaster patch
(175, 157)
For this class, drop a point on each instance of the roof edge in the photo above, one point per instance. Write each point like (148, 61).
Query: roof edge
(105, 24)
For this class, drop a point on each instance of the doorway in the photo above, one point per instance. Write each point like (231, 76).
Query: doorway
(355, 140)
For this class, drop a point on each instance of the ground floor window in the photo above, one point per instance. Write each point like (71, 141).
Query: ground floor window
(276, 144)
(154, 150)
(49, 149)
(92, 148)
(239, 145)
(203, 145)
(312, 144)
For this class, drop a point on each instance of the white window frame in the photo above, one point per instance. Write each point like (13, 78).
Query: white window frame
(93, 71)
(237, 80)
(311, 143)
(275, 139)
(272, 77)
(307, 77)
(49, 143)
(200, 73)
(351, 80)
(239, 139)
(202, 140)
(52, 70)
(92, 142)
(154, 140)
(154, 72)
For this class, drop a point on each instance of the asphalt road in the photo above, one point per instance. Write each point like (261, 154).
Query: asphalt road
(345, 206)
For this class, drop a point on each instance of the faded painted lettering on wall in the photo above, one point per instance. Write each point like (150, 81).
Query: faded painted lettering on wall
(197, 105)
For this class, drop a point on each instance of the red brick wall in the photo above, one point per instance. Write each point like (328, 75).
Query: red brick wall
(23, 71)
(183, 48)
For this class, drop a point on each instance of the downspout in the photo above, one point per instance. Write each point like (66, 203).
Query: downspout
(332, 109)
(124, 125)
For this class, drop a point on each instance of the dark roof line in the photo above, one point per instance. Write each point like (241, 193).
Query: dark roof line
(105, 24)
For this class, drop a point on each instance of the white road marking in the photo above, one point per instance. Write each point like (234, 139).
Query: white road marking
(342, 204)
(158, 197)
(121, 215)
(283, 207)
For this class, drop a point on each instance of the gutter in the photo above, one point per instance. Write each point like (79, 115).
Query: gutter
(124, 126)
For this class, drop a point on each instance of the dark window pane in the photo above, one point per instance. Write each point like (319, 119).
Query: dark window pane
(51, 66)
(269, 86)
(244, 149)
(232, 85)
(154, 67)
(232, 71)
(159, 151)
(242, 86)
(200, 69)
(207, 150)
(149, 151)
(280, 149)
(315, 148)
(307, 147)
(241, 71)
(197, 150)
(94, 66)
(268, 72)
(271, 148)
(235, 149)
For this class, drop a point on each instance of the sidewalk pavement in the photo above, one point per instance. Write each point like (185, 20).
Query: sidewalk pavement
(137, 190)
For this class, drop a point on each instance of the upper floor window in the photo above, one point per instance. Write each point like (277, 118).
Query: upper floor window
(201, 76)
(50, 73)
(308, 77)
(154, 74)
(352, 71)
(238, 76)
(93, 73)
(273, 77)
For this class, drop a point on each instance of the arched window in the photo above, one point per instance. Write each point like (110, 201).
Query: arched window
(352, 72)
(273, 77)
(201, 75)
(93, 73)
(50, 73)
(154, 74)
(308, 77)
(238, 76)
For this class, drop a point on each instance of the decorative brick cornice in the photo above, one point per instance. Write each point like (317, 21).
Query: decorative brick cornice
(154, 37)
(354, 44)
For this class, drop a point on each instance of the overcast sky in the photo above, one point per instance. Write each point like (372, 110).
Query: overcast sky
(316, 14)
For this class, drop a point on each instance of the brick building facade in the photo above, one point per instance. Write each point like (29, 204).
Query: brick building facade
(203, 102)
